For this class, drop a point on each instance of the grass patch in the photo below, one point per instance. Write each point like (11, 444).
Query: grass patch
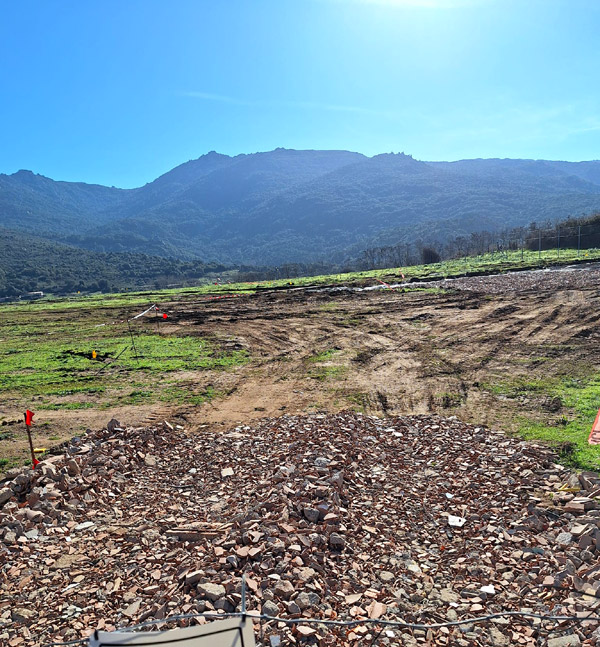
(323, 373)
(64, 406)
(484, 263)
(323, 356)
(46, 358)
(570, 424)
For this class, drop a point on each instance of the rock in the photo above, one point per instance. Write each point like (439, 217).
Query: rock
(570, 640)
(113, 425)
(224, 605)
(73, 467)
(337, 479)
(564, 538)
(5, 495)
(497, 638)
(303, 601)
(193, 578)
(22, 615)
(10, 537)
(337, 541)
(84, 526)
(386, 577)
(284, 589)
(311, 514)
(269, 608)
(150, 461)
(211, 592)
(132, 609)
(456, 522)
(448, 595)
(306, 574)
(293, 609)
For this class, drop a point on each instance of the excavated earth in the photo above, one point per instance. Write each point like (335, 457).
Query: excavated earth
(416, 519)
(399, 509)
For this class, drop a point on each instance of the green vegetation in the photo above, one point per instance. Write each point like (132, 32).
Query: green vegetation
(46, 358)
(572, 406)
(324, 355)
(323, 373)
(287, 206)
(29, 264)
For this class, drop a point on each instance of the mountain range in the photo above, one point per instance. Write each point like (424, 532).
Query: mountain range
(296, 206)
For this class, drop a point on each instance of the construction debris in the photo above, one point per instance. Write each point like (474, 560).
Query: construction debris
(344, 516)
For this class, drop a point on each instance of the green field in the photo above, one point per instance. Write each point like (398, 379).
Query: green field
(46, 349)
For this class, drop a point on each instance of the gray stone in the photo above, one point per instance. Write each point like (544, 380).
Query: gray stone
(303, 601)
(293, 609)
(284, 589)
(337, 479)
(84, 525)
(269, 608)
(314, 599)
(497, 638)
(10, 537)
(34, 515)
(386, 577)
(5, 495)
(132, 609)
(306, 574)
(211, 592)
(448, 595)
(73, 467)
(224, 605)
(311, 514)
(564, 539)
(337, 541)
(22, 615)
(571, 640)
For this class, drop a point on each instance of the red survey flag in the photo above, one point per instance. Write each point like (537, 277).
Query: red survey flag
(164, 315)
(29, 418)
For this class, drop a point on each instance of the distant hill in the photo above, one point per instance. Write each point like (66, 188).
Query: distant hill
(297, 206)
(29, 263)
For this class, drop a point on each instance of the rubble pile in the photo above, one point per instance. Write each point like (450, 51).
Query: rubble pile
(574, 277)
(346, 517)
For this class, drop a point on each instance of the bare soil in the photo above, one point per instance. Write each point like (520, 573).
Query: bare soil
(395, 352)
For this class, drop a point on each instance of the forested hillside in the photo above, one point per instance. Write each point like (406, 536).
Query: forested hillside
(29, 263)
(298, 206)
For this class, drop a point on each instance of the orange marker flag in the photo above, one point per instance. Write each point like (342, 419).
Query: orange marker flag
(594, 437)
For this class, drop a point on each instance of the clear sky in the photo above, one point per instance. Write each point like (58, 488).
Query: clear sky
(117, 92)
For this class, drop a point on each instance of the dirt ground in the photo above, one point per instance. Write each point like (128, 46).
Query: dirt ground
(382, 352)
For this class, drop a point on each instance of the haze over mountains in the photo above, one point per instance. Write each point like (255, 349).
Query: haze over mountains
(297, 206)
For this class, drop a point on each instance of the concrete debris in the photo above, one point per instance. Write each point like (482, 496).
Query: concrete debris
(339, 516)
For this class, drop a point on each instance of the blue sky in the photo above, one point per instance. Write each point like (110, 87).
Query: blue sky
(117, 92)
